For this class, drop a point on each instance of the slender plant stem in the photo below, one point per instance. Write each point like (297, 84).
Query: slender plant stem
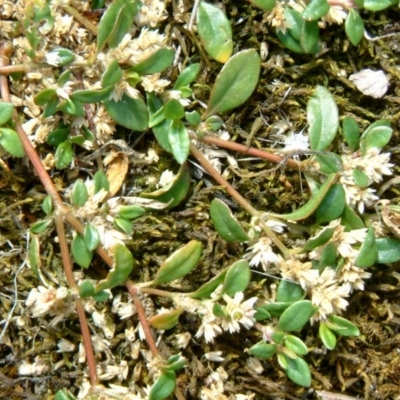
(223, 182)
(67, 263)
(226, 144)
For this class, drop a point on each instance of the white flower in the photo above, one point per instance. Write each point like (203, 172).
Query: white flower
(39, 367)
(328, 295)
(352, 275)
(237, 312)
(210, 324)
(183, 339)
(65, 346)
(214, 356)
(166, 178)
(296, 142)
(255, 365)
(48, 301)
(297, 271)
(261, 253)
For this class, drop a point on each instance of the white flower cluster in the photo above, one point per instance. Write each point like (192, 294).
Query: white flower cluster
(236, 312)
(374, 166)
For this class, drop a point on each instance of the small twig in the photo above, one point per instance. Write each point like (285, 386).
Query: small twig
(84, 21)
(226, 144)
(67, 264)
(223, 182)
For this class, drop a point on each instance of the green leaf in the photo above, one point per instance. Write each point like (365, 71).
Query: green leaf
(64, 394)
(91, 96)
(296, 316)
(342, 326)
(34, 255)
(289, 41)
(163, 386)
(237, 278)
(313, 203)
(377, 135)
(227, 226)
(327, 336)
(315, 10)
(112, 75)
(235, 83)
(161, 133)
(64, 78)
(323, 118)
(160, 60)
(131, 212)
(175, 191)
(11, 142)
(80, 252)
(289, 292)
(123, 225)
(60, 57)
(378, 5)
(86, 289)
(265, 5)
(187, 76)
(350, 219)
(295, 344)
(58, 136)
(179, 140)
(179, 264)
(294, 22)
(332, 206)
(360, 178)
(6, 110)
(213, 123)
(276, 309)
(91, 236)
(328, 163)
(368, 252)
(310, 37)
(122, 268)
(351, 132)
(328, 257)
(166, 320)
(79, 194)
(71, 107)
(194, 118)
(261, 314)
(47, 205)
(101, 182)
(354, 27)
(322, 237)
(205, 290)
(298, 371)
(263, 350)
(130, 113)
(40, 226)
(173, 109)
(50, 107)
(215, 32)
(388, 250)
(116, 22)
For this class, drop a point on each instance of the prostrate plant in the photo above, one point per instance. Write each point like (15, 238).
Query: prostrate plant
(117, 81)
(297, 23)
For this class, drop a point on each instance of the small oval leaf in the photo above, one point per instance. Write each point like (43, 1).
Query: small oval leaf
(323, 118)
(296, 316)
(179, 264)
(215, 32)
(227, 226)
(80, 252)
(235, 83)
(237, 278)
